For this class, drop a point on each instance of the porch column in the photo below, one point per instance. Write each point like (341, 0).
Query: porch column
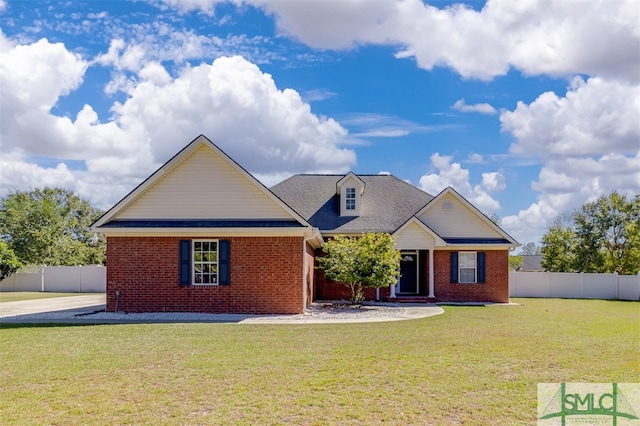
(431, 289)
(392, 291)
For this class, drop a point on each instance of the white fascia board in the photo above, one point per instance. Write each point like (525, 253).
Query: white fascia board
(198, 232)
(476, 247)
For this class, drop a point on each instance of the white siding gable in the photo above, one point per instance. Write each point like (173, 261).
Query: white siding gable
(350, 181)
(414, 237)
(203, 186)
(450, 218)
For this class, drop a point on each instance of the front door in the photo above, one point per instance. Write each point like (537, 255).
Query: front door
(408, 274)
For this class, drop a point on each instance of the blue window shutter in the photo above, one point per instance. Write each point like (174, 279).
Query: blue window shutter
(185, 262)
(481, 267)
(224, 255)
(454, 266)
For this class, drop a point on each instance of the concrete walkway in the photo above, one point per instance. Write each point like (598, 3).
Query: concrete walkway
(84, 310)
(89, 302)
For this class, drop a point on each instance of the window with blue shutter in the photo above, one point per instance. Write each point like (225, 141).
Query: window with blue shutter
(205, 262)
(454, 267)
(468, 267)
(481, 267)
(224, 255)
(185, 262)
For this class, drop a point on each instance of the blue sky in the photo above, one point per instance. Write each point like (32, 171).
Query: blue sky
(528, 109)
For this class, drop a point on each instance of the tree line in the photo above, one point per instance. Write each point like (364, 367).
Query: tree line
(48, 226)
(602, 236)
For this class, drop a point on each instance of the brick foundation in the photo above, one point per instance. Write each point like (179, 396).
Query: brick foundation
(266, 277)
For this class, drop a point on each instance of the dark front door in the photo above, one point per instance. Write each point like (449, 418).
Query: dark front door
(409, 274)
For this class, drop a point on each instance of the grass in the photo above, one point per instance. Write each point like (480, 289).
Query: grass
(471, 365)
(15, 296)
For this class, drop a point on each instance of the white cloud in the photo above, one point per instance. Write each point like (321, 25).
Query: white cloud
(483, 108)
(369, 125)
(476, 158)
(587, 142)
(536, 36)
(566, 184)
(317, 95)
(185, 6)
(493, 181)
(452, 174)
(271, 132)
(594, 117)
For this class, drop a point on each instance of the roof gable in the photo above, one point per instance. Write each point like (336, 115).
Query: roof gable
(200, 182)
(350, 179)
(458, 221)
(414, 234)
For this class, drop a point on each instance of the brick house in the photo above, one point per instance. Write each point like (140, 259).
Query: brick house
(201, 234)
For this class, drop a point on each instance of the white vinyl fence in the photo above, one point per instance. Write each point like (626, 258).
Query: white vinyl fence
(574, 286)
(63, 279)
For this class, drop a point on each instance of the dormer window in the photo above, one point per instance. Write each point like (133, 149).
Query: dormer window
(350, 190)
(350, 200)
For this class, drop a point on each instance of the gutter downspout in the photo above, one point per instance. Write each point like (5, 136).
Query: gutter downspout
(315, 235)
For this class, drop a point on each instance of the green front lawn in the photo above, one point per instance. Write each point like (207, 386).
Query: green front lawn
(15, 296)
(471, 365)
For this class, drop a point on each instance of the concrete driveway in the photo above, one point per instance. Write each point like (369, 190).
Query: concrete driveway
(88, 302)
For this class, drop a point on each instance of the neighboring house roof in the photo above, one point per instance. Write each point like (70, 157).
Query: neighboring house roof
(532, 262)
(387, 202)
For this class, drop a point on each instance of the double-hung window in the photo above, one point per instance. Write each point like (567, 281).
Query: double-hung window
(205, 262)
(350, 200)
(468, 267)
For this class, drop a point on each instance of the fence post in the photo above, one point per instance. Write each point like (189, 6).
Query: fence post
(42, 278)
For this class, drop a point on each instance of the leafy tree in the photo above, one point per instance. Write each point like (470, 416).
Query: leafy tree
(366, 261)
(558, 246)
(601, 236)
(529, 249)
(515, 262)
(50, 226)
(9, 263)
(607, 231)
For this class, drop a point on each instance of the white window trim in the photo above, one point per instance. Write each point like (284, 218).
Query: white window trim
(193, 262)
(350, 197)
(475, 267)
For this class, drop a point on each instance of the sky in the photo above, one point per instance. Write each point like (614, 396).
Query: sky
(527, 108)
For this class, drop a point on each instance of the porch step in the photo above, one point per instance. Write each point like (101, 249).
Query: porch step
(412, 299)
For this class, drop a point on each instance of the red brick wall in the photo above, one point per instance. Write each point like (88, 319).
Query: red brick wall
(266, 276)
(495, 288)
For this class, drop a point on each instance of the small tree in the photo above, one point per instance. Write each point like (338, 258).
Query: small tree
(357, 262)
(9, 263)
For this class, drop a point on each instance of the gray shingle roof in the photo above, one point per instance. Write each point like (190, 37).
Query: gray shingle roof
(387, 202)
